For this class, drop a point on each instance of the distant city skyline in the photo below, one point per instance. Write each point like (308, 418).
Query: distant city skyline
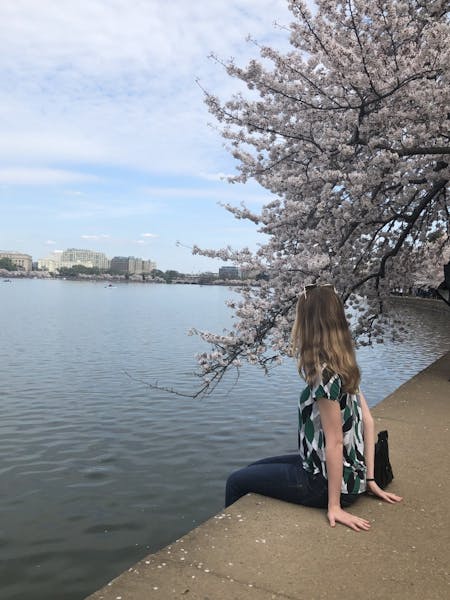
(85, 255)
(105, 137)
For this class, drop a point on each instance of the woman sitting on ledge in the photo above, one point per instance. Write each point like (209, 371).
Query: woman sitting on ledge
(335, 463)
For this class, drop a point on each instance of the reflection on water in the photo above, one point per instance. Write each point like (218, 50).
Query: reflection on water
(97, 469)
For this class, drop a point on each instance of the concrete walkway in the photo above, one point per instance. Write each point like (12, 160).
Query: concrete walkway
(261, 549)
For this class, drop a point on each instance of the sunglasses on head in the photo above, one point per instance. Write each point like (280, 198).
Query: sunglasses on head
(312, 286)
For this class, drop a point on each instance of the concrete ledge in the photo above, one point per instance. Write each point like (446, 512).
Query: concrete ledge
(261, 548)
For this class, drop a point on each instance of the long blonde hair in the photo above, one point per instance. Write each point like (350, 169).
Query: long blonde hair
(321, 336)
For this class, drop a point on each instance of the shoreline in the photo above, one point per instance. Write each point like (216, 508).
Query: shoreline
(33, 275)
(261, 548)
(430, 302)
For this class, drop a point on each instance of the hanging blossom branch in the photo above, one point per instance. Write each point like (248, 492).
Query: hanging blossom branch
(349, 131)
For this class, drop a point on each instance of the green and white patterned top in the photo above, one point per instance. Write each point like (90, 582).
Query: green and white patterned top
(311, 438)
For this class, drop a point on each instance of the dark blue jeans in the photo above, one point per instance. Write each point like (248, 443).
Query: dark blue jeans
(284, 478)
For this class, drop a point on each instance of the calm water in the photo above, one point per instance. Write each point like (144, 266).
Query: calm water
(97, 469)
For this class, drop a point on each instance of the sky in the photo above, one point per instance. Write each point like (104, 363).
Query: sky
(106, 142)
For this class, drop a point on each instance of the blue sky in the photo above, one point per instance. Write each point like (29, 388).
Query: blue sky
(105, 139)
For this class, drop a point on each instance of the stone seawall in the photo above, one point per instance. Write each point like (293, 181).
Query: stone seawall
(261, 549)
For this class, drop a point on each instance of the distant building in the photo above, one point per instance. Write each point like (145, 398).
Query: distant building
(131, 265)
(119, 264)
(250, 273)
(50, 263)
(73, 256)
(21, 261)
(205, 278)
(229, 273)
(148, 266)
(87, 258)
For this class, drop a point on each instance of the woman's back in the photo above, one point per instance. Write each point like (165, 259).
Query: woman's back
(311, 438)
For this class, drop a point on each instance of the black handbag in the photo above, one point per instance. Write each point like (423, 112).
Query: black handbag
(383, 470)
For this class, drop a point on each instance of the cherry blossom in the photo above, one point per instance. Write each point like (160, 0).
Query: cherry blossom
(349, 131)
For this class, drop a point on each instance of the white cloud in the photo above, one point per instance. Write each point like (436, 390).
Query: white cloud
(107, 88)
(149, 235)
(113, 83)
(50, 243)
(86, 209)
(101, 236)
(128, 38)
(251, 194)
(73, 193)
(42, 176)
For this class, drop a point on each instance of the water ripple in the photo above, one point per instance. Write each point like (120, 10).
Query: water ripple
(97, 469)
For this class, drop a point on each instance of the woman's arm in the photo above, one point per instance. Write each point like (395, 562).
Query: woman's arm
(369, 454)
(330, 416)
(369, 436)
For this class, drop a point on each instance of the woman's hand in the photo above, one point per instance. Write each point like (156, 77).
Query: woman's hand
(338, 515)
(374, 489)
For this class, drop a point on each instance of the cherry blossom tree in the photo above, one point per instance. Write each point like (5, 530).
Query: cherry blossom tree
(349, 130)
